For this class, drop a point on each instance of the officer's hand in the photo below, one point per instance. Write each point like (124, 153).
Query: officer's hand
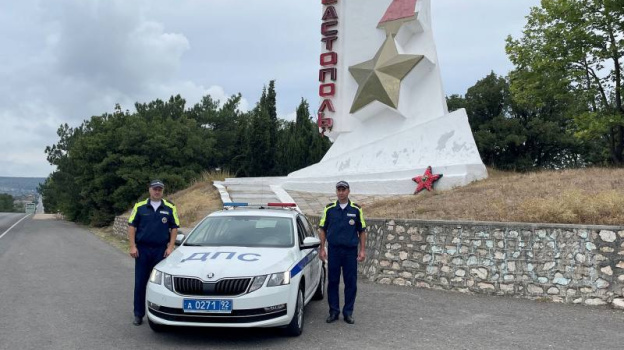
(134, 252)
(361, 255)
(168, 251)
(323, 254)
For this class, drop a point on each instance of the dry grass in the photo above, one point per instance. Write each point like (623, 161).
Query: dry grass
(579, 196)
(106, 234)
(198, 200)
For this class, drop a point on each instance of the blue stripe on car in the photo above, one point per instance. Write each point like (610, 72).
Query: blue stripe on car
(301, 264)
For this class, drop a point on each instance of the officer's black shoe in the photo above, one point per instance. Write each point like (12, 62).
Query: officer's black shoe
(137, 321)
(331, 318)
(349, 319)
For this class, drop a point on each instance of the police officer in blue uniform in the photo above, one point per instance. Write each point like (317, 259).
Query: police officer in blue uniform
(152, 230)
(342, 225)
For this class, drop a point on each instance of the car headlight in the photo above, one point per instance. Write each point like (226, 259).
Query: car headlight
(168, 281)
(279, 279)
(156, 277)
(257, 283)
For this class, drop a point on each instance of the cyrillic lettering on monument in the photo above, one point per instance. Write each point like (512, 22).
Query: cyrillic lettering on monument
(328, 73)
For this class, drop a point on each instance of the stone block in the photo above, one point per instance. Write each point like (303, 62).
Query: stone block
(416, 238)
(607, 270)
(507, 288)
(595, 302)
(607, 236)
(406, 275)
(480, 273)
(423, 285)
(601, 283)
(399, 281)
(486, 287)
(410, 264)
(618, 303)
(535, 290)
(553, 291)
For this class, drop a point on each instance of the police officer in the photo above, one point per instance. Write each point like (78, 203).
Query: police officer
(342, 225)
(152, 230)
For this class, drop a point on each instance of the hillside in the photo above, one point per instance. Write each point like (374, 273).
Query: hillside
(20, 186)
(579, 196)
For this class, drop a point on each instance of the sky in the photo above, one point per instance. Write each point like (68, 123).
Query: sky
(63, 61)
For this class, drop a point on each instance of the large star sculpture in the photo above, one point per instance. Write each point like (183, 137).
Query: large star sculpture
(426, 181)
(379, 79)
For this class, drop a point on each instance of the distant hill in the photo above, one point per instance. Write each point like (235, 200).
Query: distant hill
(20, 186)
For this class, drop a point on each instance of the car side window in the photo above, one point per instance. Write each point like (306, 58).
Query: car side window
(301, 231)
(310, 231)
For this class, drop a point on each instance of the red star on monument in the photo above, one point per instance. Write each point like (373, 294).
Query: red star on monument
(426, 180)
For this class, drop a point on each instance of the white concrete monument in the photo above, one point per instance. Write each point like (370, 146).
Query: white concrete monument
(383, 104)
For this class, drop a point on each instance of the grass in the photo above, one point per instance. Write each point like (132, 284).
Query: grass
(106, 234)
(579, 196)
(199, 199)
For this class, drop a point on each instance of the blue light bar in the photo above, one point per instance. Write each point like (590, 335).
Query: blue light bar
(235, 204)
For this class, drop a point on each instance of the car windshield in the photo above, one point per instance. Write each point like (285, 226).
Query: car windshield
(243, 231)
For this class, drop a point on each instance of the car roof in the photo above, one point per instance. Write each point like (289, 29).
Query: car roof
(284, 213)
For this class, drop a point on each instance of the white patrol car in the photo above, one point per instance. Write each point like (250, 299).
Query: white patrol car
(240, 268)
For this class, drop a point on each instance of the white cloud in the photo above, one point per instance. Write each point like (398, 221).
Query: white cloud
(66, 60)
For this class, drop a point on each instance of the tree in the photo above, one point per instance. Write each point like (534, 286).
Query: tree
(510, 135)
(569, 64)
(103, 165)
(7, 203)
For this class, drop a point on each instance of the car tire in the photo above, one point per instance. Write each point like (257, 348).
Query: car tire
(157, 327)
(319, 294)
(295, 327)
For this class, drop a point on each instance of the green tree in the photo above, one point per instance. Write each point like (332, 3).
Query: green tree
(103, 166)
(510, 135)
(569, 63)
(6, 203)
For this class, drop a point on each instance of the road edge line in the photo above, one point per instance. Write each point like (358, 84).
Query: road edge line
(15, 224)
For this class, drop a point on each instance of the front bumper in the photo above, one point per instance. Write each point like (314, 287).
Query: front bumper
(248, 310)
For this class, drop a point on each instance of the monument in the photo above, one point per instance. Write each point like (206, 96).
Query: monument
(383, 105)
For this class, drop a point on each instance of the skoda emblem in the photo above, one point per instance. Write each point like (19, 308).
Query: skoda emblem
(210, 275)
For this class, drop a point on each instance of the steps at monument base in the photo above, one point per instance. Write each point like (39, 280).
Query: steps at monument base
(254, 190)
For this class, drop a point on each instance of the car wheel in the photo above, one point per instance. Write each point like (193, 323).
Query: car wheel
(157, 327)
(295, 328)
(320, 290)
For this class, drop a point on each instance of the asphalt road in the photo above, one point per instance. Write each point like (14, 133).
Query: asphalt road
(63, 288)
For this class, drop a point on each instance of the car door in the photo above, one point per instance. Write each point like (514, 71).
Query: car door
(311, 270)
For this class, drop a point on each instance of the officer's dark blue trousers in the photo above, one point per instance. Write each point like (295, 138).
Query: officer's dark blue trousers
(341, 259)
(143, 265)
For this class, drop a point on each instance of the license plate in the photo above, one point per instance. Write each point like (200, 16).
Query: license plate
(208, 305)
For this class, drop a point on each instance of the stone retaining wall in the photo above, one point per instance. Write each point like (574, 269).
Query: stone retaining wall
(120, 226)
(562, 263)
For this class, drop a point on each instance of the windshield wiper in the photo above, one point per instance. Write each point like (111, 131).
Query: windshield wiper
(193, 245)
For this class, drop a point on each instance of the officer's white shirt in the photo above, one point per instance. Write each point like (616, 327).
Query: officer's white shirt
(155, 205)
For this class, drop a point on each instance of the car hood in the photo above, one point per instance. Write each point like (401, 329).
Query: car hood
(222, 262)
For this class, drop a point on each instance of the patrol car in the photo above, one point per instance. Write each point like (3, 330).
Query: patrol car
(250, 266)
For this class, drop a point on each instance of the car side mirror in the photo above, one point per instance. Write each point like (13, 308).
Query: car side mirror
(311, 242)
(179, 238)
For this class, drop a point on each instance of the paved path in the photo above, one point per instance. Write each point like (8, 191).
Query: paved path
(63, 288)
